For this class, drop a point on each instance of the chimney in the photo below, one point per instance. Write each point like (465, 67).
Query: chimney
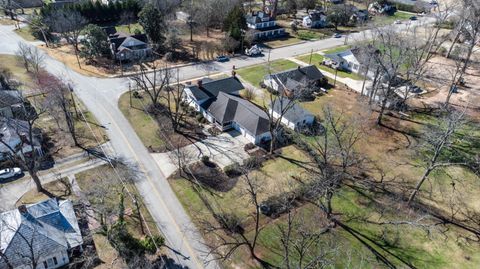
(199, 83)
(22, 209)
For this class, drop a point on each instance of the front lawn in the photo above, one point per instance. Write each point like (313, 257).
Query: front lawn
(133, 27)
(317, 59)
(255, 74)
(399, 15)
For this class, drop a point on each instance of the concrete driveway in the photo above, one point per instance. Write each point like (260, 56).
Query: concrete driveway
(223, 149)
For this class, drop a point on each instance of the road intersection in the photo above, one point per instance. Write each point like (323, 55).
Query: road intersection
(101, 95)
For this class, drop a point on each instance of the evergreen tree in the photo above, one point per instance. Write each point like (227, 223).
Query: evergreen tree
(153, 23)
(95, 44)
(235, 22)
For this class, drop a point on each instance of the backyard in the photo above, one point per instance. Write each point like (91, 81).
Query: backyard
(255, 74)
(386, 148)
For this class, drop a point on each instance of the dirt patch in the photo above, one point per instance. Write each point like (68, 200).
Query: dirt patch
(439, 75)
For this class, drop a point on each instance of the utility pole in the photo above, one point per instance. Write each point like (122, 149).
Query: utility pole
(310, 60)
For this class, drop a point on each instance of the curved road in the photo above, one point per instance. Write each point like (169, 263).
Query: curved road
(101, 95)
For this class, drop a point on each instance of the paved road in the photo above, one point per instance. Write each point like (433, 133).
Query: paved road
(101, 97)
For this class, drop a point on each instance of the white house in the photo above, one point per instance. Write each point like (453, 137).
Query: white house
(44, 233)
(220, 103)
(264, 26)
(345, 60)
(315, 19)
(292, 115)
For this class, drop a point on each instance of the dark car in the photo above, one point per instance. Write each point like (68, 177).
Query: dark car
(222, 58)
(413, 18)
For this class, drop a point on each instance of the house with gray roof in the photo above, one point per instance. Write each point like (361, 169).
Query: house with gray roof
(294, 78)
(11, 104)
(40, 235)
(14, 134)
(291, 114)
(220, 103)
(127, 47)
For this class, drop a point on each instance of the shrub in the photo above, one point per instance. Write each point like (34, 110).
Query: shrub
(232, 170)
(249, 146)
(276, 205)
(199, 117)
(150, 243)
(205, 159)
(252, 162)
(230, 222)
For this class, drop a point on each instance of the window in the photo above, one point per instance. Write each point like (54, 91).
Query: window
(45, 264)
(50, 262)
(55, 260)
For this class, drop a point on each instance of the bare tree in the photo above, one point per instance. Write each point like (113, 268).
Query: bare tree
(37, 60)
(153, 83)
(24, 51)
(174, 98)
(437, 141)
(21, 140)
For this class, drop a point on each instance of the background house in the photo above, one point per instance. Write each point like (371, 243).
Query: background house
(220, 103)
(264, 25)
(15, 133)
(127, 47)
(48, 229)
(294, 116)
(316, 19)
(293, 78)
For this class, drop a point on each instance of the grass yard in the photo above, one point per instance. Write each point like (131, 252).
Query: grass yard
(317, 60)
(282, 42)
(133, 27)
(15, 66)
(336, 49)
(399, 15)
(24, 32)
(254, 75)
(145, 126)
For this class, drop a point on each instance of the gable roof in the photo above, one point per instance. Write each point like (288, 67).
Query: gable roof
(228, 107)
(299, 74)
(45, 226)
(211, 88)
(294, 112)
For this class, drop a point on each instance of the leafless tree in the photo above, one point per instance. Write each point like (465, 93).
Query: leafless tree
(249, 93)
(21, 140)
(24, 51)
(227, 227)
(153, 83)
(174, 99)
(437, 141)
(60, 104)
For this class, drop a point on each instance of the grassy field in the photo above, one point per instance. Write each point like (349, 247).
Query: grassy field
(336, 49)
(281, 42)
(254, 75)
(144, 125)
(60, 188)
(24, 32)
(317, 59)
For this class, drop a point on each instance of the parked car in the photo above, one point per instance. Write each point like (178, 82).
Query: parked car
(222, 58)
(253, 51)
(337, 35)
(413, 18)
(8, 173)
(398, 22)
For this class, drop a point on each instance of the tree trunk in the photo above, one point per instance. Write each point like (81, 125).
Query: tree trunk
(36, 180)
(453, 44)
(419, 184)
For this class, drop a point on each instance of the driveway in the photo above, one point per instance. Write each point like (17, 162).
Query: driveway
(223, 149)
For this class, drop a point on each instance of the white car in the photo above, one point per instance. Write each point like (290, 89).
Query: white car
(398, 22)
(10, 172)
